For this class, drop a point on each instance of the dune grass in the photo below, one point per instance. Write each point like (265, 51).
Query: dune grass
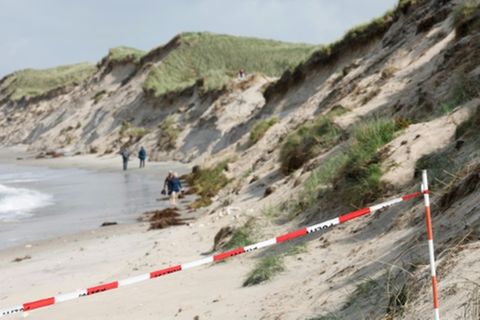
(306, 142)
(260, 128)
(463, 90)
(359, 178)
(125, 54)
(207, 182)
(242, 236)
(169, 132)
(466, 17)
(216, 58)
(31, 82)
(265, 270)
(127, 130)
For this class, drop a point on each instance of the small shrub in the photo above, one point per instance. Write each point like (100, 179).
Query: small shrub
(466, 17)
(265, 270)
(307, 142)
(168, 134)
(207, 182)
(261, 128)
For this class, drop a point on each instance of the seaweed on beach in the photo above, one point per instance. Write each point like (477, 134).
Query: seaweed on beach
(161, 219)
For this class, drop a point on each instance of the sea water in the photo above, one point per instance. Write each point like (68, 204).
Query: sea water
(38, 203)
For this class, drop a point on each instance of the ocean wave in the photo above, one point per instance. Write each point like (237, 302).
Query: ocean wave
(16, 203)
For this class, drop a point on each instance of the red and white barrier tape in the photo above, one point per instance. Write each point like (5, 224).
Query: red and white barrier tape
(28, 306)
(431, 251)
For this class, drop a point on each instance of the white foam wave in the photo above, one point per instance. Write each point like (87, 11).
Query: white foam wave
(20, 202)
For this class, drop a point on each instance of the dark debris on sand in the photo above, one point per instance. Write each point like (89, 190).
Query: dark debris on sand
(160, 219)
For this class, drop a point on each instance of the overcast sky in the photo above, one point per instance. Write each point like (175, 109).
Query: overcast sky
(46, 33)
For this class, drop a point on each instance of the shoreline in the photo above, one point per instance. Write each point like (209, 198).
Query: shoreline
(154, 171)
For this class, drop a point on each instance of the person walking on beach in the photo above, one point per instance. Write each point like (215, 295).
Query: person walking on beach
(142, 155)
(172, 182)
(125, 155)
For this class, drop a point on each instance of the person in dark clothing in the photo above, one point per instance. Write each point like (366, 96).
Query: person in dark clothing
(125, 155)
(165, 183)
(174, 187)
(142, 155)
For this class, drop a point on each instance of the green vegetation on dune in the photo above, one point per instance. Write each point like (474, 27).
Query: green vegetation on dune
(216, 59)
(357, 37)
(359, 179)
(125, 54)
(260, 128)
(265, 270)
(466, 17)
(307, 142)
(207, 182)
(31, 83)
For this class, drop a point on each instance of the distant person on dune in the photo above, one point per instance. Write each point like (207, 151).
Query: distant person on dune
(142, 155)
(174, 186)
(125, 155)
(241, 74)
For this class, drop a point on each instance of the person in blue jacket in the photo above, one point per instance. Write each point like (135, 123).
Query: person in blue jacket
(174, 187)
(142, 155)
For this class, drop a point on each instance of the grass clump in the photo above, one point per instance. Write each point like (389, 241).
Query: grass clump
(99, 96)
(125, 54)
(134, 133)
(470, 126)
(260, 128)
(362, 290)
(463, 91)
(337, 110)
(307, 142)
(359, 179)
(216, 59)
(207, 182)
(241, 236)
(31, 83)
(169, 132)
(320, 178)
(439, 165)
(266, 269)
(375, 24)
(127, 130)
(466, 17)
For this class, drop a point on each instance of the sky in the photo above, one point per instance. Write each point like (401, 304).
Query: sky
(47, 33)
